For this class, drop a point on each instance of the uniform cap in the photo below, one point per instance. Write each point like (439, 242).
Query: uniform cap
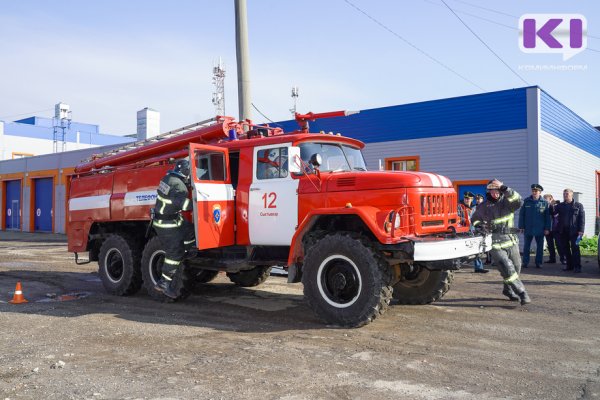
(537, 186)
(468, 195)
(479, 196)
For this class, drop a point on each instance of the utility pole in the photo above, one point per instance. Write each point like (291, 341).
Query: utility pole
(242, 53)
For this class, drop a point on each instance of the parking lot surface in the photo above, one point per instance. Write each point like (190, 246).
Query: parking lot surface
(74, 341)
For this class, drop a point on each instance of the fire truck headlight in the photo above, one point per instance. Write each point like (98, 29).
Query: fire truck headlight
(397, 221)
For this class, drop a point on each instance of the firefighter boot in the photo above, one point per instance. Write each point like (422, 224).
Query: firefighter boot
(524, 298)
(165, 286)
(175, 286)
(519, 289)
(508, 292)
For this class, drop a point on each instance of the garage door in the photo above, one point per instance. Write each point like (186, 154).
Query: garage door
(42, 219)
(12, 214)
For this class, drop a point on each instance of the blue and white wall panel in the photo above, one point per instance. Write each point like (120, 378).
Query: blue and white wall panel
(569, 155)
(501, 154)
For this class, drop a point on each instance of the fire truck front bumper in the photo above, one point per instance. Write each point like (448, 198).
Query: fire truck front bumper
(437, 249)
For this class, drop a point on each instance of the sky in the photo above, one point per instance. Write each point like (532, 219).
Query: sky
(108, 59)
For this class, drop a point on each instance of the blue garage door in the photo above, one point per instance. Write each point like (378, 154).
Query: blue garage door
(12, 214)
(42, 220)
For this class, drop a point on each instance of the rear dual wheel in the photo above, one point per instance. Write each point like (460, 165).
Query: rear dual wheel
(119, 265)
(153, 258)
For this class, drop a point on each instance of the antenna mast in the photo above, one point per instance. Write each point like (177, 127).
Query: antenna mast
(60, 123)
(295, 98)
(218, 98)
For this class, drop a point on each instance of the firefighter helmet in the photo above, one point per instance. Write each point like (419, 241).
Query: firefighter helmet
(182, 167)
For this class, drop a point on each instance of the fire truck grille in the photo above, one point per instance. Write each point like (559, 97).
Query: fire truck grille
(433, 205)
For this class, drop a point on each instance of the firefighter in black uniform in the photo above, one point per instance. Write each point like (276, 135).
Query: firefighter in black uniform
(497, 215)
(176, 233)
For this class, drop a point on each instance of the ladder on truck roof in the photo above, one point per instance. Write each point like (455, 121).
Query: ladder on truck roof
(162, 136)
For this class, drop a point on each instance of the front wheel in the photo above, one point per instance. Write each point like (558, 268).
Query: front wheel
(422, 286)
(153, 258)
(346, 282)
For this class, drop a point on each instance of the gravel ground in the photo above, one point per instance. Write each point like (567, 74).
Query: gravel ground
(73, 341)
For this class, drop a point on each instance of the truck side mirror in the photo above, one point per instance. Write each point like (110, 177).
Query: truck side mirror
(295, 162)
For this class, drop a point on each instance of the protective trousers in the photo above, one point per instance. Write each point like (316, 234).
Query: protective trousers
(508, 261)
(175, 238)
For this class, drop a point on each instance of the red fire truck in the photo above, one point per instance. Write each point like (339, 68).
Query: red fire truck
(262, 197)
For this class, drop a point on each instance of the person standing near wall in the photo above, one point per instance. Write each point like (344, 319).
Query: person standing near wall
(534, 222)
(552, 238)
(571, 225)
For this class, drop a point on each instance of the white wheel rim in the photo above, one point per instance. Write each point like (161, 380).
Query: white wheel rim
(151, 266)
(323, 293)
(106, 266)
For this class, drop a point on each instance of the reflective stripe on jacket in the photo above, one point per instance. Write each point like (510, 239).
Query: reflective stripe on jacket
(172, 196)
(499, 216)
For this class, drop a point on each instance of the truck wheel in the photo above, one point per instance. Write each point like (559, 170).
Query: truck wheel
(119, 266)
(423, 286)
(345, 281)
(251, 277)
(203, 275)
(153, 258)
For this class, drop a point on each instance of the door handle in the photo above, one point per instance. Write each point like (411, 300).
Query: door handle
(254, 189)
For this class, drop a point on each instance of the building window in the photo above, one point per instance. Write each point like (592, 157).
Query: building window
(410, 163)
(21, 155)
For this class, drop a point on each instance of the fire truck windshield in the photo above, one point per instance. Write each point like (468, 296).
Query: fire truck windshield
(335, 157)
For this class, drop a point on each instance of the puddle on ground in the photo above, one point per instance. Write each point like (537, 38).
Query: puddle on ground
(53, 297)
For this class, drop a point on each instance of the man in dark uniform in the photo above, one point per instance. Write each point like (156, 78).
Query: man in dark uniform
(176, 233)
(571, 224)
(534, 223)
(497, 214)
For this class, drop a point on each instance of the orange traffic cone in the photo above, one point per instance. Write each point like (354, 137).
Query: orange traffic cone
(18, 296)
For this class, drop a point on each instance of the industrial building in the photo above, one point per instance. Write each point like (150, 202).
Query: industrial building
(521, 136)
(38, 154)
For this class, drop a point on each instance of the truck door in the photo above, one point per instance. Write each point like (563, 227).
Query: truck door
(273, 205)
(213, 196)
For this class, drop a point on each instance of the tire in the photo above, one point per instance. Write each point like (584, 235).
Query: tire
(346, 282)
(423, 286)
(251, 277)
(203, 275)
(152, 260)
(119, 266)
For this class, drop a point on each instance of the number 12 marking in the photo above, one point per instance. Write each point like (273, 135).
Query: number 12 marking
(271, 196)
